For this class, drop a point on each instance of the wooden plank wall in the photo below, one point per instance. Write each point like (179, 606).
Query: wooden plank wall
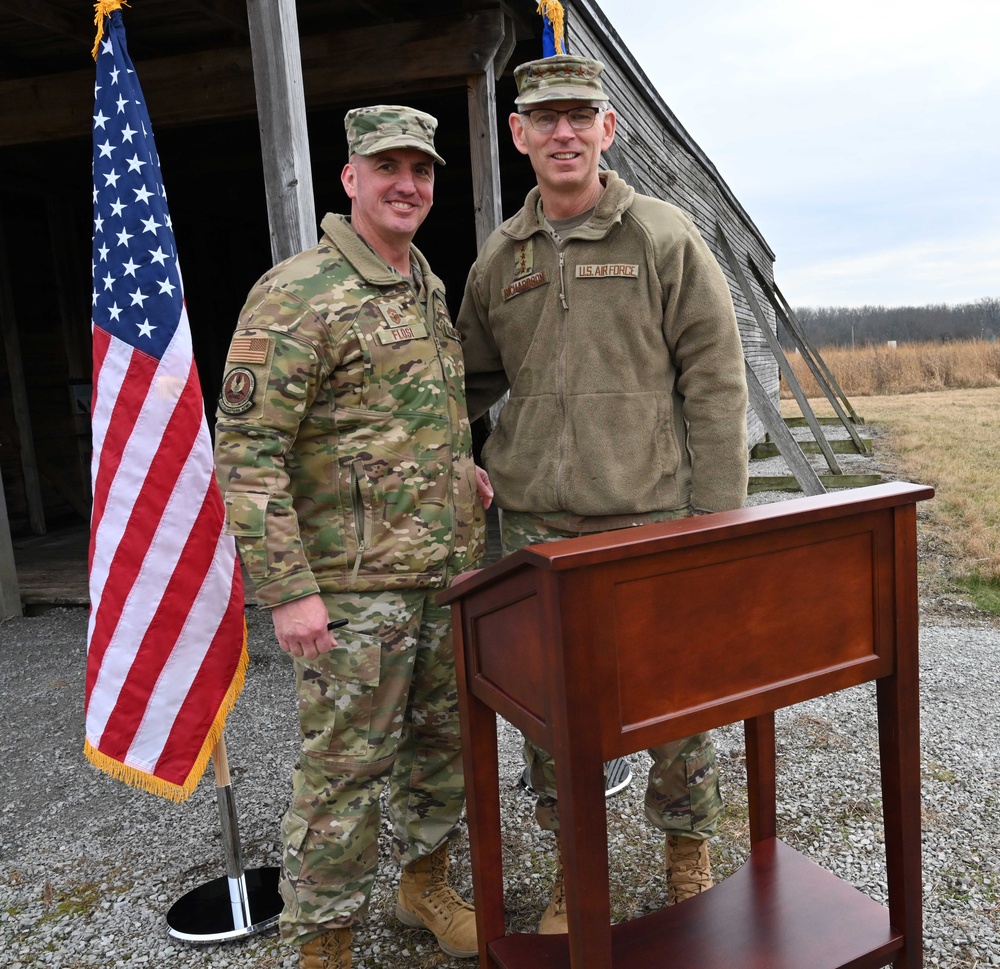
(671, 166)
(51, 370)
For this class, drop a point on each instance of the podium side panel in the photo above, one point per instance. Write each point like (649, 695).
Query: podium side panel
(504, 630)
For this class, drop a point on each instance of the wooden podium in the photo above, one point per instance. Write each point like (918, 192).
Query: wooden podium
(600, 646)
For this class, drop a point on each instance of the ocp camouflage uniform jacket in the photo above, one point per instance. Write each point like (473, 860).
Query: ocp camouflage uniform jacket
(343, 446)
(623, 358)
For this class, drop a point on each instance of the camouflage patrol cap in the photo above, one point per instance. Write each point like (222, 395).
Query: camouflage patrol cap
(561, 77)
(380, 127)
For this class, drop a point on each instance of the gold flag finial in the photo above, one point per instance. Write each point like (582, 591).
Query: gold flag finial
(101, 10)
(552, 10)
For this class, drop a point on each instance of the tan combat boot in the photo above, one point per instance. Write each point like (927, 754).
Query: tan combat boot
(689, 872)
(426, 901)
(331, 950)
(554, 921)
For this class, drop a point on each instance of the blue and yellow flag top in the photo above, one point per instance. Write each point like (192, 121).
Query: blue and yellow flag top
(552, 34)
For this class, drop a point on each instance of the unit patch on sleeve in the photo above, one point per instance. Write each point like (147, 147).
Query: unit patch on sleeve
(236, 396)
(596, 270)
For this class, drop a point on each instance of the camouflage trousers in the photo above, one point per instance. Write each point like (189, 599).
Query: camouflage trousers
(682, 790)
(380, 709)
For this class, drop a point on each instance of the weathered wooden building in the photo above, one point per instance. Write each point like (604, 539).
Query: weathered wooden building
(232, 88)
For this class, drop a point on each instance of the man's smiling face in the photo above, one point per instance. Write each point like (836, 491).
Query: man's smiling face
(391, 193)
(565, 159)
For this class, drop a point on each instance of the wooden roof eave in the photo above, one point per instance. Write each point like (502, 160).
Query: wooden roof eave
(214, 85)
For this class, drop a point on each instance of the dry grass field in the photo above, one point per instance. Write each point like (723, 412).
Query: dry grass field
(909, 368)
(945, 433)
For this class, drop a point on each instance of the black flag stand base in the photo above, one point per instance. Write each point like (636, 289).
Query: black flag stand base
(239, 904)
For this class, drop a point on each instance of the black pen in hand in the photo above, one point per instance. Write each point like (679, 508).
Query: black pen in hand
(337, 623)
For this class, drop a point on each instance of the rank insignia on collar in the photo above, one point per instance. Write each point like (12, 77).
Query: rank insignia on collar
(524, 257)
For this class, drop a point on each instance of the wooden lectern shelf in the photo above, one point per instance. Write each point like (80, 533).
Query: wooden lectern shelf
(601, 646)
(765, 915)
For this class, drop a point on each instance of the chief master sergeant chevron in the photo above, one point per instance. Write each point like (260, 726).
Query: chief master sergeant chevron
(608, 319)
(344, 452)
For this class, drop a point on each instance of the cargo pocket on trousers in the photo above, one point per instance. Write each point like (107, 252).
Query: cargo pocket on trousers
(294, 832)
(703, 786)
(339, 691)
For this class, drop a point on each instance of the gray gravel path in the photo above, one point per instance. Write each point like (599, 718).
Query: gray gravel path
(90, 866)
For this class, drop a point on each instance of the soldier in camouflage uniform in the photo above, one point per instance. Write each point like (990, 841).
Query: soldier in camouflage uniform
(607, 318)
(344, 452)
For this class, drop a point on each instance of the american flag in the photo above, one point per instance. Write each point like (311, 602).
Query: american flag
(166, 644)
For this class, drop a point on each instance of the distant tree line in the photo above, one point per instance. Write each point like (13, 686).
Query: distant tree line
(853, 326)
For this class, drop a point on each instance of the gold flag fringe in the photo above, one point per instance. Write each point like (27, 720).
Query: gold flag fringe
(156, 785)
(552, 10)
(102, 9)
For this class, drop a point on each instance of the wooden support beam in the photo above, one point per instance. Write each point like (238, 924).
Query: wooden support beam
(785, 482)
(19, 397)
(766, 411)
(779, 354)
(284, 137)
(387, 59)
(484, 150)
(54, 475)
(10, 593)
(768, 449)
(792, 421)
(485, 153)
(798, 332)
(502, 56)
(821, 373)
(74, 328)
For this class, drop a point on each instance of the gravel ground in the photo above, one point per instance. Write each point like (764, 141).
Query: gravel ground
(91, 866)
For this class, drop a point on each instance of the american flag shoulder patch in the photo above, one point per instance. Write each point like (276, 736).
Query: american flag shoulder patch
(249, 349)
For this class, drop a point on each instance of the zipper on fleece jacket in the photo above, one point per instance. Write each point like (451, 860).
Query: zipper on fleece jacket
(561, 367)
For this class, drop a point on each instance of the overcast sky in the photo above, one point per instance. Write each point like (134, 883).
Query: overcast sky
(862, 137)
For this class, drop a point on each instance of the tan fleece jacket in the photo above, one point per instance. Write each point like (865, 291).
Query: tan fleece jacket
(623, 360)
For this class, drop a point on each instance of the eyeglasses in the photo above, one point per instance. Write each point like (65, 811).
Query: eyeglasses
(546, 119)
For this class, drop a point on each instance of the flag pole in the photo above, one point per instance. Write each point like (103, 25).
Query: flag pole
(238, 900)
(240, 903)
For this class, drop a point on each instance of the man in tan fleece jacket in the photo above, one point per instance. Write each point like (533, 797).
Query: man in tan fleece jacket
(608, 320)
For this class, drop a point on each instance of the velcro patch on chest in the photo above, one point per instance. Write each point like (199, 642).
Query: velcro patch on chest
(521, 285)
(392, 312)
(396, 334)
(603, 270)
